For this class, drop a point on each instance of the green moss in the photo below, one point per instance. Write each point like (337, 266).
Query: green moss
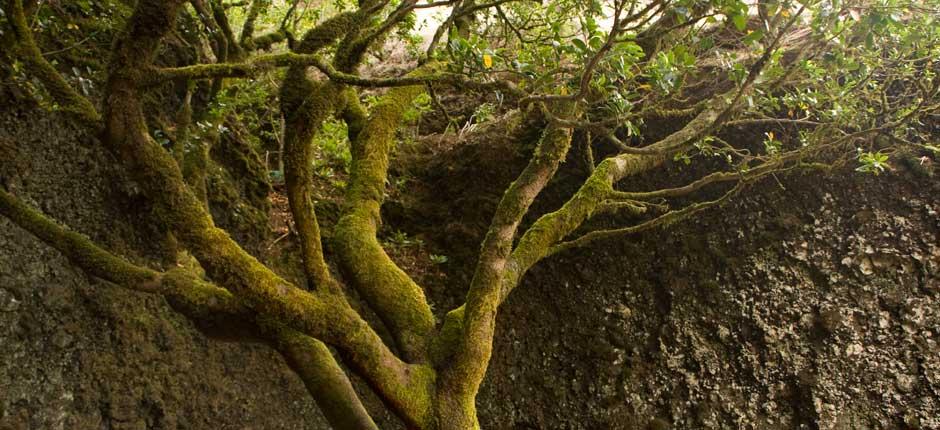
(398, 300)
(248, 29)
(67, 99)
(306, 105)
(234, 50)
(195, 164)
(77, 248)
(445, 343)
(265, 41)
(354, 114)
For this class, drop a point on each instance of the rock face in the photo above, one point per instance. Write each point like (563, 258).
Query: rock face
(77, 353)
(812, 303)
(811, 307)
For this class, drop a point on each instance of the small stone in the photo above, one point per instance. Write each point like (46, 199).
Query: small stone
(658, 424)
(8, 303)
(905, 383)
(854, 349)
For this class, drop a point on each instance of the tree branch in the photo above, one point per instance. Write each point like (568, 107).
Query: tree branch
(213, 309)
(263, 63)
(407, 388)
(246, 38)
(398, 300)
(668, 218)
(70, 101)
(474, 347)
(305, 104)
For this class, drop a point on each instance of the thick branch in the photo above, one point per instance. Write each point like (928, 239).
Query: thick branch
(263, 63)
(69, 100)
(398, 300)
(221, 18)
(81, 251)
(474, 349)
(246, 39)
(305, 104)
(324, 378)
(214, 309)
(553, 227)
(220, 45)
(324, 316)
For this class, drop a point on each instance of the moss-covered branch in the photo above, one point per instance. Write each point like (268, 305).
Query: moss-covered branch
(78, 248)
(215, 310)
(549, 229)
(68, 99)
(322, 375)
(324, 316)
(474, 348)
(246, 39)
(235, 51)
(220, 44)
(267, 40)
(398, 300)
(261, 63)
(668, 218)
(306, 104)
(468, 330)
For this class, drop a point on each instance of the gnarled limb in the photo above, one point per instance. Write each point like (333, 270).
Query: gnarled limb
(79, 249)
(461, 379)
(221, 18)
(213, 309)
(246, 39)
(398, 300)
(320, 372)
(220, 45)
(262, 63)
(536, 243)
(305, 104)
(406, 388)
(69, 100)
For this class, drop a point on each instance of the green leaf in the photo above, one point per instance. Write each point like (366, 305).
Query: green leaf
(753, 36)
(739, 21)
(578, 43)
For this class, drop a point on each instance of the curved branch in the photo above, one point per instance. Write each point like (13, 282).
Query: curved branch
(407, 388)
(220, 47)
(553, 227)
(221, 19)
(263, 63)
(246, 39)
(70, 101)
(79, 249)
(474, 348)
(323, 377)
(398, 300)
(668, 218)
(305, 104)
(213, 309)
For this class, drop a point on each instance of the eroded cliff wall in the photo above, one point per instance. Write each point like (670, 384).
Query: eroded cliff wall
(77, 353)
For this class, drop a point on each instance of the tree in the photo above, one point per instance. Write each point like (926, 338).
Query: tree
(829, 81)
